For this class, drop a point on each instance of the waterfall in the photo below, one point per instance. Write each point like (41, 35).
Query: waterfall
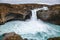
(34, 16)
(32, 29)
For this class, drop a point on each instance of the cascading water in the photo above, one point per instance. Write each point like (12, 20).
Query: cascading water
(33, 28)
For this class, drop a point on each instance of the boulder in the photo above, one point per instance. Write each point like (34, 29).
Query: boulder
(51, 15)
(11, 36)
(15, 15)
(55, 38)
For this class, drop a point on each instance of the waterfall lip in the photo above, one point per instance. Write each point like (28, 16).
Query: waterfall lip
(43, 8)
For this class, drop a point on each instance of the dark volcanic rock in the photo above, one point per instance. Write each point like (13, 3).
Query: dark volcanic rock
(55, 38)
(51, 15)
(11, 36)
(25, 39)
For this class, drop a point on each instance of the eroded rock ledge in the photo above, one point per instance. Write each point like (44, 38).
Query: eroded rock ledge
(51, 15)
(23, 11)
(16, 11)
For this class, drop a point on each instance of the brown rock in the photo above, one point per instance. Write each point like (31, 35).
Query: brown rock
(10, 12)
(55, 38)
(12, 36)
(51, 15)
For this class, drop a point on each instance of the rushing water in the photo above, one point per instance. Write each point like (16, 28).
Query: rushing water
(32, 28)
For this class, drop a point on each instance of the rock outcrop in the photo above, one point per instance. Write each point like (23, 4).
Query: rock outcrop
(10, 12)
(55, 38)
(11, 36)
(16, 11)
(51, 15)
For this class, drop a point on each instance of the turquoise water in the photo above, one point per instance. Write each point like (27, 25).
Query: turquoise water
(32, 28)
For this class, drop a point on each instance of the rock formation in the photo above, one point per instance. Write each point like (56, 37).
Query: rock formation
(55, 38)
(51, 15)
(11, 36)
(10, 12)
(16, 11)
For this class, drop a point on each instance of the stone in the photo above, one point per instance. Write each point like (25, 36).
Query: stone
(9, 12)
(55, 38)
(12, 36)
(51, 15)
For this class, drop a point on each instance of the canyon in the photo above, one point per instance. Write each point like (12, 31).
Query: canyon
(22, 12)
(42, 30)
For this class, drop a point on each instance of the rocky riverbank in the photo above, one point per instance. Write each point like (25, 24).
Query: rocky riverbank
(55, 38)
(11, 36)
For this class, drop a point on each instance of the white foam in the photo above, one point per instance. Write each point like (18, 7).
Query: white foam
(31, 26)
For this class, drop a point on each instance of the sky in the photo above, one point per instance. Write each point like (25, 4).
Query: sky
(31, 1)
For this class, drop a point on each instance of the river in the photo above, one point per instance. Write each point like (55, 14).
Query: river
(32, 28)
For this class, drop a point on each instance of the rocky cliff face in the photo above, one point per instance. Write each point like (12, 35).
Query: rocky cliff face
(51, 15)
(16, 11)
(23, 11)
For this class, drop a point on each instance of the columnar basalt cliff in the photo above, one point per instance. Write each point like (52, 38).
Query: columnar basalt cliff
(51, 15)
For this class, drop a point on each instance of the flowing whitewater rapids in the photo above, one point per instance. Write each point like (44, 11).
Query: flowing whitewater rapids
(32, 28)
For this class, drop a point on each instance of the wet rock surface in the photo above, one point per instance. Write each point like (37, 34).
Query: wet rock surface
(51, 15)
(11, 36)
(55, 38)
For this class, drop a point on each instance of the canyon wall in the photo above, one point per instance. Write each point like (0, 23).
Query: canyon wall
(23, 11)
(16, 11)
(51, 15)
